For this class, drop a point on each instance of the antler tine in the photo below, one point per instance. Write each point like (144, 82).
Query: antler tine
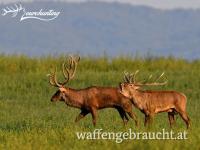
(163, 83)
(146, 80)
(12, 8)
(126, 78)
(153, 83)
(16, 5)
(5, 12)
(70, 62)
(8, 8)
(74, 67)
(78, 59)
(64, 68)
(66, 73)
(19, 7)
(160, 76)
(53, 80)
(71, 67)
(131, 77)
(70, 72)
(15, 11)
(134, 76)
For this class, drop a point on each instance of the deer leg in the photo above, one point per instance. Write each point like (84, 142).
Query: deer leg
(94, 115)
(82, 114)
(126, 117)
(133, 116)
(150, 120)
(123, 115)
(128, 109)
(171, 118)
(146, 120)
(185, 117)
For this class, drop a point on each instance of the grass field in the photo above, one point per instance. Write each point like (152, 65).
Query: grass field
(28, 120)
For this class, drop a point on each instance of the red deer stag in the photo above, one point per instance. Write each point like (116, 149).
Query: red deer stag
(153, 102)
(90, 99)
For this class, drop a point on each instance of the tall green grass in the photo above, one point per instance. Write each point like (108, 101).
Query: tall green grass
(28, 120)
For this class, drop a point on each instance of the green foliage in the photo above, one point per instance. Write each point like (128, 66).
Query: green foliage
(28, 120)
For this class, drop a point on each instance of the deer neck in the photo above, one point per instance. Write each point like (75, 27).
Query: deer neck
(73, 98)
(138, 100)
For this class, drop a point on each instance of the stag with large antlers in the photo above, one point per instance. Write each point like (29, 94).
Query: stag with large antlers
(153, 102)
(90, 99)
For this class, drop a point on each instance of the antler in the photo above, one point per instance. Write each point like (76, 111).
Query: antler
(128, 77)
(53, 80)
(12, 10)
(132, 79)
(70, 72)
(67, 72)
(134, 76)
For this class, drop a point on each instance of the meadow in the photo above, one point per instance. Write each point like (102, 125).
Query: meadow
(28, 120)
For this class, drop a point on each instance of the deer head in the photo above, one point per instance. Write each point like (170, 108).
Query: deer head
(130, 85)
(68, 72)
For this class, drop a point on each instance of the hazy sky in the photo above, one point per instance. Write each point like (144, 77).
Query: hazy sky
(163, 4)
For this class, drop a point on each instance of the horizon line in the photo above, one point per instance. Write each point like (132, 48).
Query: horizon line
(101, 1)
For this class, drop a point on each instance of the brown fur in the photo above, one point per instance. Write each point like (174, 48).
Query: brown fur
(90, 99)
(153, 102)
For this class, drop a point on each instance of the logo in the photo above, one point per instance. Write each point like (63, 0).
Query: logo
(40, 15)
